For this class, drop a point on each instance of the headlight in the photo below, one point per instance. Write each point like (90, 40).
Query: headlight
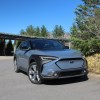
(46, 59)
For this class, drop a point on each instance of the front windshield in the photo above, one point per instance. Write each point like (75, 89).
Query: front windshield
(45, 44)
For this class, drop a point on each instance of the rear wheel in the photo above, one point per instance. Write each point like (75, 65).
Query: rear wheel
(16, 69)
(33, 74)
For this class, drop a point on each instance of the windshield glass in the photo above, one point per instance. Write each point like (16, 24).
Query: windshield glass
(45, 44)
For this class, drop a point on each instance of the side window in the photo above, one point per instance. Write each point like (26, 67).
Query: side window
(24, 45)
(20, 46)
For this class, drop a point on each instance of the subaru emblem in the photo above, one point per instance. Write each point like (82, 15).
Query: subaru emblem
(71, 61)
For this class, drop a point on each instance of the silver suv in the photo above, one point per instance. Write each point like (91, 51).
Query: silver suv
(48, 59)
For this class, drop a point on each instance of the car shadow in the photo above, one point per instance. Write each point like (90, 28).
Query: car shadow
(22, 72)
(61, 81)
(64, 81)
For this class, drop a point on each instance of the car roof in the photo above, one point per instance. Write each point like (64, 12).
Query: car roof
(41, 39)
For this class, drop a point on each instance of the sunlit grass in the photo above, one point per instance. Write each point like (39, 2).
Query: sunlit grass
(94, 63)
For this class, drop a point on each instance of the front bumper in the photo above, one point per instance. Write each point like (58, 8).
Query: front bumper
(64, 68)
(65, 73)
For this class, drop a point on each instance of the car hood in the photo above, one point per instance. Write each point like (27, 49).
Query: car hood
(67, 53)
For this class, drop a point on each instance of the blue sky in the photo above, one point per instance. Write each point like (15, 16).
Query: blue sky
(18, 14)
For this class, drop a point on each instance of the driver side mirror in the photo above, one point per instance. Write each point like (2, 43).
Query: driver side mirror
(25, 48)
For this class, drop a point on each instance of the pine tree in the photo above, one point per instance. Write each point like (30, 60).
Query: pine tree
(86, 28)
(44, 32)
(58, 31)
(9, 48)
(37, 32)
(30, 31)
(1, 47)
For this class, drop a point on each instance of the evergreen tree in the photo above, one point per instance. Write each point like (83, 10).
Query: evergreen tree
(22, 32)
(1, 47)
(9, 48)
(86, 28)
(30, 31)
(37, 32)
(58, 31)
(44, 32)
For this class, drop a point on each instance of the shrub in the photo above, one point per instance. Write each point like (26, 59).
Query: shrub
(94, 63)
(88, 47)
(9, 48)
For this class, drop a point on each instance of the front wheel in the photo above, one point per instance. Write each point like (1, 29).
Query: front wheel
(33, 74)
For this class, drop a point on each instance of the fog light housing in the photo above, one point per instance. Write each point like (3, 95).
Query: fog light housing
(51, 73)
(84, 71)
(55, 74)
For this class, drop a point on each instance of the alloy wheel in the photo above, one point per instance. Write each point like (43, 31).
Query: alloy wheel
(33, 74)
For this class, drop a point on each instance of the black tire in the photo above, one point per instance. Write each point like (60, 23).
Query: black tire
(16, 69)
(33, 74)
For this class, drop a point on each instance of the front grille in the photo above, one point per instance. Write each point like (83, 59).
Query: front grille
(70, 59)
(70, 63)
(70, 73)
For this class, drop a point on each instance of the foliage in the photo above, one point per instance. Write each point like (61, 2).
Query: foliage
(44, 32)
(85, 32)
(18, 43)
(2, 44)
(31, 31)
(38, 32)
(94, 63)
(9, 48)
(58, 31)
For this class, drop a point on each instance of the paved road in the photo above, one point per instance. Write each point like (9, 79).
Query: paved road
(15, 86)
